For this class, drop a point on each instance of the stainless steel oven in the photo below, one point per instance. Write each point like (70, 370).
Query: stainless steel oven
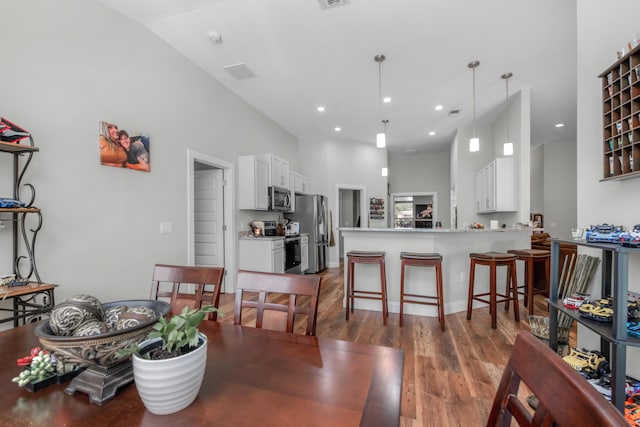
(292, 255)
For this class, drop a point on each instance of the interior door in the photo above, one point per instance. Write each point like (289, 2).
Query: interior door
(209, 217)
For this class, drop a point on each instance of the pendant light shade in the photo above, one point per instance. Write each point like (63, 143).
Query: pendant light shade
(508, 146)
(474, 142)
(381, 138)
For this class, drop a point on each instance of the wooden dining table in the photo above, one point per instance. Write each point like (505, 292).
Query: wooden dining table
(254, 377)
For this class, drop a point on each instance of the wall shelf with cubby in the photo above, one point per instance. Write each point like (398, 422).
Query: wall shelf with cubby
(621, 117)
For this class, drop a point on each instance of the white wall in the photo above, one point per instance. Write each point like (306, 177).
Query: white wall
(73, 64)
(329, 163)
(423, 173)
(537, 179)
(614, 202)
(560, 198)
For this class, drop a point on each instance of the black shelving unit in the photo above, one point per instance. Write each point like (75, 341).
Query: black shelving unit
(613, 336)
(19, 215)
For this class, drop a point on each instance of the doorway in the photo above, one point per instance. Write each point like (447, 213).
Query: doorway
(210, 215)
(350, 212)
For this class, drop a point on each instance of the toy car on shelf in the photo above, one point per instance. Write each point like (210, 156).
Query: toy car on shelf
(574, 301)
(586, 362)
(633, 310)
(599, 310)
(631, 237)
(633, 328)
(632, 410)
(604, 233)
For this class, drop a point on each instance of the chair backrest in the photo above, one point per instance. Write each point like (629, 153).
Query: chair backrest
(272, 313)
(169, 279)
(564, 397)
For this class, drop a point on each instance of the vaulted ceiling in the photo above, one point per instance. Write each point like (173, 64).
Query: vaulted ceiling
(299, 56)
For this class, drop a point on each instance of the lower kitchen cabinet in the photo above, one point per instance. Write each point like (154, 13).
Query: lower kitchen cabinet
(261, 254)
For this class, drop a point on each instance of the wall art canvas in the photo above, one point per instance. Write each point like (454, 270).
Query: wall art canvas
(122, 149)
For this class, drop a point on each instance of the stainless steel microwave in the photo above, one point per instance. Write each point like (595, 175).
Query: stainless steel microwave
(279, 199)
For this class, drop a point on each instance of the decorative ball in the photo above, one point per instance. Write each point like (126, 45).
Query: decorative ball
(72, 312)
(135, 316)
(91, 328)
(112, 315)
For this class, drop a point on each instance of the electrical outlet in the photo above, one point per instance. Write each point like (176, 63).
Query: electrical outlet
(166, 227)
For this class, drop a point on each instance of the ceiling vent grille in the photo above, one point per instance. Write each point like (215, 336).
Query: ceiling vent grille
(239, 71)
(326, 4)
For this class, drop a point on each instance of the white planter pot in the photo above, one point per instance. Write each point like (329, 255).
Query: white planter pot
(170, 385)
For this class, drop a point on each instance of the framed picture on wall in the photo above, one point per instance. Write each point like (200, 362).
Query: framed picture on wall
(118, 148)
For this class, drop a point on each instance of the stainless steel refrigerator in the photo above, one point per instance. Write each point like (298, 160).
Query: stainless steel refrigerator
(311, 213)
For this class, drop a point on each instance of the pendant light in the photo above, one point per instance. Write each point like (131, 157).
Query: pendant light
(474, 142)
(508, 146)
(381, 138)
(385, 171)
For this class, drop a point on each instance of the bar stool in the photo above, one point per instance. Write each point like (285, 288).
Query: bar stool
(423, 260)
(493, 260)
(366, 257)
(530, 257)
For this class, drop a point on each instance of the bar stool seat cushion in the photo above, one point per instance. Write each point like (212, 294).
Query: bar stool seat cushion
(530, 252)
(421, 256)
(365, 254)
(492, 256)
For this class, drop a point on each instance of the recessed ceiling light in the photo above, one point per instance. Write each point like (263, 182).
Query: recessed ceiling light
(439, 107)
(559, 125)
(337, 129)
(432, 133)
(386, 99)
(321, 108)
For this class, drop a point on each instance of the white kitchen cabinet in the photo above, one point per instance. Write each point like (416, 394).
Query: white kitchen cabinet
(261, 254)
(304, 253)
(495, 187)
(302, 184)
(292, 190)
(278, 170)
(253, 182)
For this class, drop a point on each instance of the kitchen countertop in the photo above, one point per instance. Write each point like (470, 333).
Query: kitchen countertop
(265, 238)
(441, 230)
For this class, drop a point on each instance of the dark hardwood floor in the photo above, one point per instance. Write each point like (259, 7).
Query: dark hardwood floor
(450, 377)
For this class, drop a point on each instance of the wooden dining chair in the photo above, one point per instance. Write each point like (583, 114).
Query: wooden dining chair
(172, 282)
(564, 397)
(272, 290)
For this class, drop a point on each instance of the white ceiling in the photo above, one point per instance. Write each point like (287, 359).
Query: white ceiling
(304, 57)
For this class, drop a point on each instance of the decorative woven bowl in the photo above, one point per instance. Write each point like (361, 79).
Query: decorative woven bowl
(99, 350)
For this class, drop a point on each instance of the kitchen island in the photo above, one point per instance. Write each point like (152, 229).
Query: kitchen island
(454, 246)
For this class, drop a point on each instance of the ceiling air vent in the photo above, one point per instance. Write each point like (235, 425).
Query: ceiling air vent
(239, 71)
(326, 4)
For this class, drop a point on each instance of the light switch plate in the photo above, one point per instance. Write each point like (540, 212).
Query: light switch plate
(166, 227)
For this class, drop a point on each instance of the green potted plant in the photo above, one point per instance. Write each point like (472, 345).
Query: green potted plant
(169, 366)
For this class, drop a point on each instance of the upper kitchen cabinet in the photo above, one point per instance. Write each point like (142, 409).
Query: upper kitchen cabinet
(278, 170)
(495, 187)
(253, 182)
(302, 184)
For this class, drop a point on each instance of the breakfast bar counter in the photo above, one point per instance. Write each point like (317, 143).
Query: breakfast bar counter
(454, 246)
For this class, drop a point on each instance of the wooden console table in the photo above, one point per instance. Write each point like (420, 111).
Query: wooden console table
(25, 301)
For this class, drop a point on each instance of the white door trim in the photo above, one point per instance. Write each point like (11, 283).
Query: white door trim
(229, 209)
(364, 223)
